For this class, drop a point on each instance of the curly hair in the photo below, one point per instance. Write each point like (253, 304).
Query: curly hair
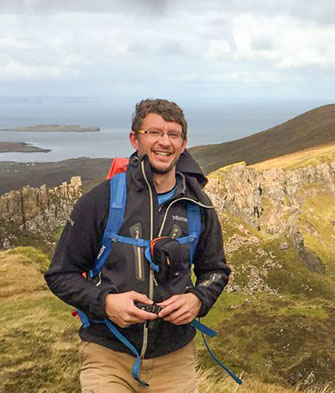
(169, 111)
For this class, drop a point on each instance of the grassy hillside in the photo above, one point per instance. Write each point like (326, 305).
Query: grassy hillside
(39, 339)
(38, 332)
(277, 323)
(311, 156)
(313, 128)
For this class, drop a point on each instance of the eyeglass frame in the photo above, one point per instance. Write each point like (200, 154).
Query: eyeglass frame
(172, 137)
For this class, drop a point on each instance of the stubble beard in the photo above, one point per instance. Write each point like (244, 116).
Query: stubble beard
(162, 171)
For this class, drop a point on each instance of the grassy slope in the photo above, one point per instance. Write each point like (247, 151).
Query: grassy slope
(313, 128)
(312, 156)
(39, 340)
(38, 333)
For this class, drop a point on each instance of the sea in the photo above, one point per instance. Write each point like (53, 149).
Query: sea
(208, 123)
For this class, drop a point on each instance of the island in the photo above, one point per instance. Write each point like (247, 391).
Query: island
(54, 128)
(20, 147)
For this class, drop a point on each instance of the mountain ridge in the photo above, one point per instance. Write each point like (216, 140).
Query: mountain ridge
(310, 129)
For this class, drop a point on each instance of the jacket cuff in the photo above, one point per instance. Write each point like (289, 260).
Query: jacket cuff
(98, 309)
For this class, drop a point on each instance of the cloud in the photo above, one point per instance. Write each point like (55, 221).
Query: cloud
(262, 43)
(50, 7)
(218, 49)
(148, 42)
(279, 40)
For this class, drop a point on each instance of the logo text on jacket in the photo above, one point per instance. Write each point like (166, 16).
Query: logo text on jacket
(175, 217)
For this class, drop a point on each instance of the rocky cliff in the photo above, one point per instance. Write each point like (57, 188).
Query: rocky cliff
(275, 201)
(36, 212)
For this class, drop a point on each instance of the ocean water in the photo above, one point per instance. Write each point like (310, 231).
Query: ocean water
(207, 124)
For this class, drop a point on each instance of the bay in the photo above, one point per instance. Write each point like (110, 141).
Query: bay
(208, 123)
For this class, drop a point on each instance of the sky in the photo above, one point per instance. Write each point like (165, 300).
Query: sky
(191, 49)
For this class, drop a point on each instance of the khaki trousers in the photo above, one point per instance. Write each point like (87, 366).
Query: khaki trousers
(106, 371)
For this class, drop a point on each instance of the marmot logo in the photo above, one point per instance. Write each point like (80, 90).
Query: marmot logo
(175, 217)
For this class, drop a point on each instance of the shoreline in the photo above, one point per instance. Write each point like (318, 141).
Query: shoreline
(53, 128)
(21, 147)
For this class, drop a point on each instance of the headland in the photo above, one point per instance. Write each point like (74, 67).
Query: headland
(20, 147)
(54, 128)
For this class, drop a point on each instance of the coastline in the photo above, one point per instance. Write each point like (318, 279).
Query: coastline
(20, 147)
(53, 128)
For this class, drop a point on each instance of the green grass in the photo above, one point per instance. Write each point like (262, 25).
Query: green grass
(315, 160)
(39, 343)
(309, 311)
(32, 254)
(38, 334)
(274, 338)
(57, 233)
(317, 222)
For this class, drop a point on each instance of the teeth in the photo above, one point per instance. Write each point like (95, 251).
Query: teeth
(160, 153)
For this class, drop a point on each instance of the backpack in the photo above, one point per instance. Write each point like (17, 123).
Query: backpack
(118, 193)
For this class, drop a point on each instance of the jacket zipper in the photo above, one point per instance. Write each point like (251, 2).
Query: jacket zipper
(151, 275)
(211, 279)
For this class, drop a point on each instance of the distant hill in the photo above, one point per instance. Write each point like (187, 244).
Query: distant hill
(7, 147)
(15, 175)
(313, 128)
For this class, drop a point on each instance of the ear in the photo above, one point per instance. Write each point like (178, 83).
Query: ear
(133, 140)
(183, 147)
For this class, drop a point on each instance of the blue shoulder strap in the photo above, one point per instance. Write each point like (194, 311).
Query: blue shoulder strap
(194, 227)
(117, 204)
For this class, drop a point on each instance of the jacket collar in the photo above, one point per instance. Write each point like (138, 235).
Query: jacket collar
(190, 177)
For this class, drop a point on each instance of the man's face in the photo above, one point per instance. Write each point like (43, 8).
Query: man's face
(163, 152)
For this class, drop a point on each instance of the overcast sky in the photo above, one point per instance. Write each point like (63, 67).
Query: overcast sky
(193, 49)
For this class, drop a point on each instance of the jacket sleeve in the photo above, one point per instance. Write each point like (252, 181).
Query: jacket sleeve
(210, 265)
(75, 253)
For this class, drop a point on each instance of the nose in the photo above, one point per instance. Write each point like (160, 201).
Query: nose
(164, 140)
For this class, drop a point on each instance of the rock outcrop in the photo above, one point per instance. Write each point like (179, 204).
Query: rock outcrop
(36, 211)
(272, 200)
(245, 192)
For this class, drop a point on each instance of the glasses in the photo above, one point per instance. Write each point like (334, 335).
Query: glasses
(156, 134)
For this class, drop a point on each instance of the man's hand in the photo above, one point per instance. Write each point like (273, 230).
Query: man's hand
(120, 308)
(180, 309)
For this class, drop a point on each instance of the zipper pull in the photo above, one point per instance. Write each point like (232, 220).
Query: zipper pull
(154, 279)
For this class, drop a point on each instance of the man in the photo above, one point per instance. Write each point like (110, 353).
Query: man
(161, 179)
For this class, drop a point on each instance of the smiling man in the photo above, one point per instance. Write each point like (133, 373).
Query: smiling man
(144, 289)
